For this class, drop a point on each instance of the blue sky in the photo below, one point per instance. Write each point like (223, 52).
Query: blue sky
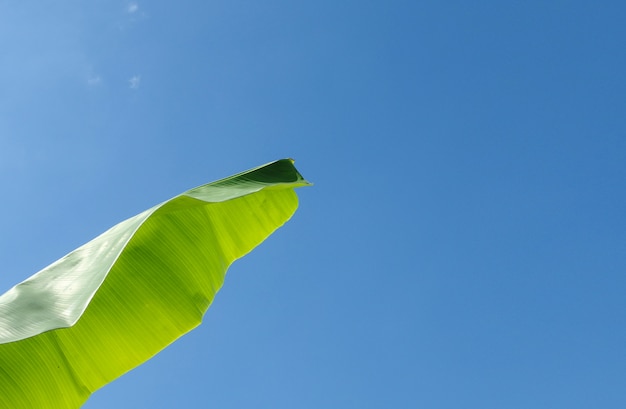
(464, 244)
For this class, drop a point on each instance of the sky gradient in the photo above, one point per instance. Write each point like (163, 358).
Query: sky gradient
(464, 243)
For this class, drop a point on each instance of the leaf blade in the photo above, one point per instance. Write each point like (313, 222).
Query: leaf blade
(158, 288)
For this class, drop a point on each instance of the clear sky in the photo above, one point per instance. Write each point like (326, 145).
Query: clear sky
(464, 245)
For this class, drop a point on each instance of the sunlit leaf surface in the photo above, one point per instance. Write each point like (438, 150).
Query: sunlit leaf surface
(113, 303)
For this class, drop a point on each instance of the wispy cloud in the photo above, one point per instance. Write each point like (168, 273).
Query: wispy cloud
(133, 7)
(134, 81)
(133, 14)
(94, 80)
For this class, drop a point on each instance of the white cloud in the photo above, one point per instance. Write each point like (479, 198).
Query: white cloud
(132, 7)
(94, 80)
(134, 81)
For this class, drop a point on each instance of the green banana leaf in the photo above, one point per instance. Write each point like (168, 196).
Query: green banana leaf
(118, 300)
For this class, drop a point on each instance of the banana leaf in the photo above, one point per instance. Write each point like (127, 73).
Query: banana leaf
(118, 300)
